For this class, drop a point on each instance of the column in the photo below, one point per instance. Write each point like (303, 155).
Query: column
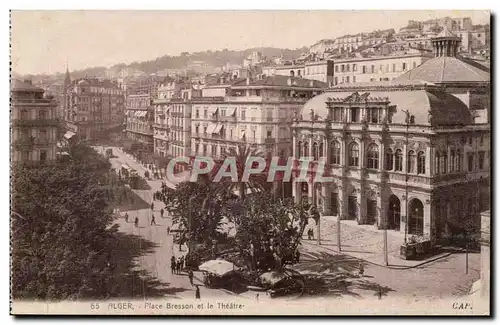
(381, 219)
(310, 192)
(404, 217)
(361, 197)
(428, 219)
(295, 192)
(326, 189)
(381, 153)
(342, 203)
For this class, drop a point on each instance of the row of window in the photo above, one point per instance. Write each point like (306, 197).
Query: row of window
(373, 68)
(394, 159)
(42, 114)
(372, 114)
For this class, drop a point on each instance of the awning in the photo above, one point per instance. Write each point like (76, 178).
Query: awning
(142, 114)
(168, 108)
(231, 111)
(211, 128)
(68, 135)
(215, 111)
(136, 114)
(218, 128)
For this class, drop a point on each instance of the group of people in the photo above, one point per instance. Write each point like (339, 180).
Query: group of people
(136, 220)
(177, 265)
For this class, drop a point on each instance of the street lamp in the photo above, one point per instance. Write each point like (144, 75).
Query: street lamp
(407, 112)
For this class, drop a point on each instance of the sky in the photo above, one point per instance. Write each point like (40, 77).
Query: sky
(44, 41)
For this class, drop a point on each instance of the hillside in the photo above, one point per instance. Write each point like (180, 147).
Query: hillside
(215, 58)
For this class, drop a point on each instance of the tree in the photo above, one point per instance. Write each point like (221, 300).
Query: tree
(256, 182)
(61, 229)
(268, 229)
(197, 213)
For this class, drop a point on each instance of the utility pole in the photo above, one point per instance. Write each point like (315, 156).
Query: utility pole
(338, 233)
(386, 257)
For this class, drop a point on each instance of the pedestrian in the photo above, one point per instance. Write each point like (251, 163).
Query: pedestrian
(136, 221)
(153, 219)
(162, 212)
(182, 262)
(191, 276)
(361, 269)
(309, 234)
(168, 230)
(297, 256)
(152, 206)
(126, 217)
(197, 294)
(312, 233)
(257, 297)
(179, 266)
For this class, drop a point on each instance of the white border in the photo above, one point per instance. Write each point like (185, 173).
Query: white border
(186, 4)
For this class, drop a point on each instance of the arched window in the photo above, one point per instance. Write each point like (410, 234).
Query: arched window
(436, 163)
(315, 151)
(421, 163)
(389, 159)
(24, 114)
(335, 153)
(372, 156)
(452, 160)
(412, 161)
(398, 160)
(321, 150)
(443, 162)
(458, 166)
(299, 149)
(306, 149)
(354, 155)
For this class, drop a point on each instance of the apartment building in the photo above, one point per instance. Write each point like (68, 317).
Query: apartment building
(34, 124)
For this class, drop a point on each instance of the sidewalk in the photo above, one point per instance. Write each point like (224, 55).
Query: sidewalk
(363, 242)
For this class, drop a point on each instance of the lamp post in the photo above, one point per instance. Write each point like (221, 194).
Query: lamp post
(406, 171)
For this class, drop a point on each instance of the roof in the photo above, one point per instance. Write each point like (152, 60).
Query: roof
(446, 109)
(18, 85)
(446, 33)
(282, 81)
(446, 69)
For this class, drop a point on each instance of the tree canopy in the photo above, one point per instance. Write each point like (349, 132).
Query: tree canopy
(61, 228)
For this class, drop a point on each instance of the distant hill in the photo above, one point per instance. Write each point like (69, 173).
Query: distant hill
(215, 58)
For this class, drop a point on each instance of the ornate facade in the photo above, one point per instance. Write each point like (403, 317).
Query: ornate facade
(388, 163)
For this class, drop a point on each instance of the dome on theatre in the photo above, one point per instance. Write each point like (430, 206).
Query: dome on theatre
(446, 67)
(426, 104)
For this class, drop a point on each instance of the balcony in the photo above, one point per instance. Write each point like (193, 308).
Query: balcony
(35, 122)
(31, 142)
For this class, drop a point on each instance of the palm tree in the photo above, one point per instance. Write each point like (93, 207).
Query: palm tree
(256, 182)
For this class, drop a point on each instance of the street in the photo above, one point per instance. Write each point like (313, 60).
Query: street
(157, 261)
(441, 278)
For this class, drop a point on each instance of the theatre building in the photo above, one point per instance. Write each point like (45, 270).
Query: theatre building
(416, 148)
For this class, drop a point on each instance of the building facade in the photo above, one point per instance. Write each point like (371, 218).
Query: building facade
(34, 124)
(172, 120)
(140, 118)
(411, 155)
(318, 70)
(377, 68)
(92, 107)
(258, 112)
